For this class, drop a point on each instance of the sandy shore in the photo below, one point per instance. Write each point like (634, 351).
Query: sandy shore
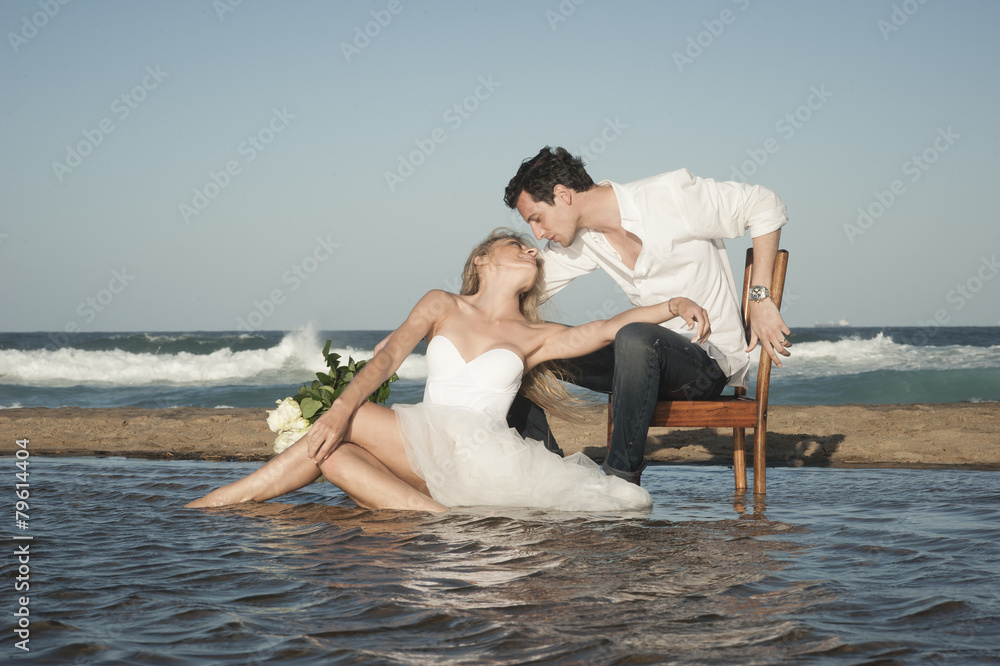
(926, 434)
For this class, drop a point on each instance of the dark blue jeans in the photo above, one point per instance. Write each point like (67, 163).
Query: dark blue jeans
(646, 362)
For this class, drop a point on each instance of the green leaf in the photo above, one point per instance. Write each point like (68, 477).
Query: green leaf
(310, 407)
(316, 398)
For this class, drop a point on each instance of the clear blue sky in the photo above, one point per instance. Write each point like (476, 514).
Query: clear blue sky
(120, 120)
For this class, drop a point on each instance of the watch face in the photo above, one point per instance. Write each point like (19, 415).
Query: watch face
(758, 293)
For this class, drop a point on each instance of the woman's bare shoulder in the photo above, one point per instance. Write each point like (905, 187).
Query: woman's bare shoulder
(432, 308)
(439, 298)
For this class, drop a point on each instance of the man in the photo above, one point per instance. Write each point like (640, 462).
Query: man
(658, 238)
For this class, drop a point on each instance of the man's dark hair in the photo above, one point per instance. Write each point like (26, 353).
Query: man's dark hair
(539, 174)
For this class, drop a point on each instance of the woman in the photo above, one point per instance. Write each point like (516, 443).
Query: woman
(454, 449)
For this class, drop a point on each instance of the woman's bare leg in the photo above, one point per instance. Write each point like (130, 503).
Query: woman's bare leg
(282, 474)
(374, 429)
(367, 481)
(372, 469)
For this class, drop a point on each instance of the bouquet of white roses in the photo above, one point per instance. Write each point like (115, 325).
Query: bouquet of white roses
(294, 416)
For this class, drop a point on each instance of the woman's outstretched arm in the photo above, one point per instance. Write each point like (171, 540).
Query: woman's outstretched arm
(570, 342)
(328, 431)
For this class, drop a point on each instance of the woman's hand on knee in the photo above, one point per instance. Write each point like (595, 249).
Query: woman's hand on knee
(327, 433)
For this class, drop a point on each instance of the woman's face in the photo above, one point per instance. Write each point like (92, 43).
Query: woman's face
(511, 253)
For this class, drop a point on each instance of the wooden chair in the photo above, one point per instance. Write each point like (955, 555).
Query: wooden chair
(737, 411)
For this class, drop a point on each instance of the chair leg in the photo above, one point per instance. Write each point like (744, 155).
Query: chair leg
(739, 458)
(759, 458)
(611, 429)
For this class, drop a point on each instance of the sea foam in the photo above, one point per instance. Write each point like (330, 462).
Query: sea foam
(855, 355)
(294, 359)
(297, 356)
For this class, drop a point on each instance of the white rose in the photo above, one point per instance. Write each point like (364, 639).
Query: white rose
(289, 437)
(288, 422)
(288, 416)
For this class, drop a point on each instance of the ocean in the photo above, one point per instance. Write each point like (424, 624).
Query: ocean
(891, 566)
(835, 566)
(834, 365)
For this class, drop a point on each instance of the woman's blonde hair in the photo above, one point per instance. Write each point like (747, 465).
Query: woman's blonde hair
(541, 384)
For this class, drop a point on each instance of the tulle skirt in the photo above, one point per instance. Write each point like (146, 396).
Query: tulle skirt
(471, 458)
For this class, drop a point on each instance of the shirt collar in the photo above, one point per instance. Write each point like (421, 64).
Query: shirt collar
(627, 208)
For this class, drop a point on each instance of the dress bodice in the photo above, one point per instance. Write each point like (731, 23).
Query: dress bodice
(489, 381)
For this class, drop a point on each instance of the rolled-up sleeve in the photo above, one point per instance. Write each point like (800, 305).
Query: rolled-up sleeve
(729, 209)
(561, 266)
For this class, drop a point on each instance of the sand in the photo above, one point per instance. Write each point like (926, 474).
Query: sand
(961, 434)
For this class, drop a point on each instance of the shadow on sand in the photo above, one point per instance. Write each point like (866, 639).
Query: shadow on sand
(715, 446)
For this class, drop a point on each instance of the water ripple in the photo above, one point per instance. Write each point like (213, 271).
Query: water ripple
(862, 565)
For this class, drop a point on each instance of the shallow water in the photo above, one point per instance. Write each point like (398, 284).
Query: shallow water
(838, 566)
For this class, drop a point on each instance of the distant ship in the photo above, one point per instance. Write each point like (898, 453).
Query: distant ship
(830, 324)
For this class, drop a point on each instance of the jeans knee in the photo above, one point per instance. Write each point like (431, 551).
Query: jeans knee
(634, 341)
(630, 334)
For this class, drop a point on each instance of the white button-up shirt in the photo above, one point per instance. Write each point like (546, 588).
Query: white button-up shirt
(681, 220)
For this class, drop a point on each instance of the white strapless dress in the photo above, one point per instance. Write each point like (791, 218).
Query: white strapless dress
(458, 441)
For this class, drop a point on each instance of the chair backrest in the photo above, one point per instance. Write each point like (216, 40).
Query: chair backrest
(777, 290)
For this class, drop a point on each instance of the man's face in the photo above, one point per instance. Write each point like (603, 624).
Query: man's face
(551, 222)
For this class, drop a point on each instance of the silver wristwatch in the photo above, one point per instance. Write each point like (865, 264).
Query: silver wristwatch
(758, 294)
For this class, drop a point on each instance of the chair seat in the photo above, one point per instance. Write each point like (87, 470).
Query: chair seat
(723, 412)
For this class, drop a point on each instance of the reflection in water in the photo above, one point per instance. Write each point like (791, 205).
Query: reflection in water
(605, 586)
(832, 565)
(758, 504)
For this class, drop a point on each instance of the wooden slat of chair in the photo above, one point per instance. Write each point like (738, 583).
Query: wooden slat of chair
(737, 411)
